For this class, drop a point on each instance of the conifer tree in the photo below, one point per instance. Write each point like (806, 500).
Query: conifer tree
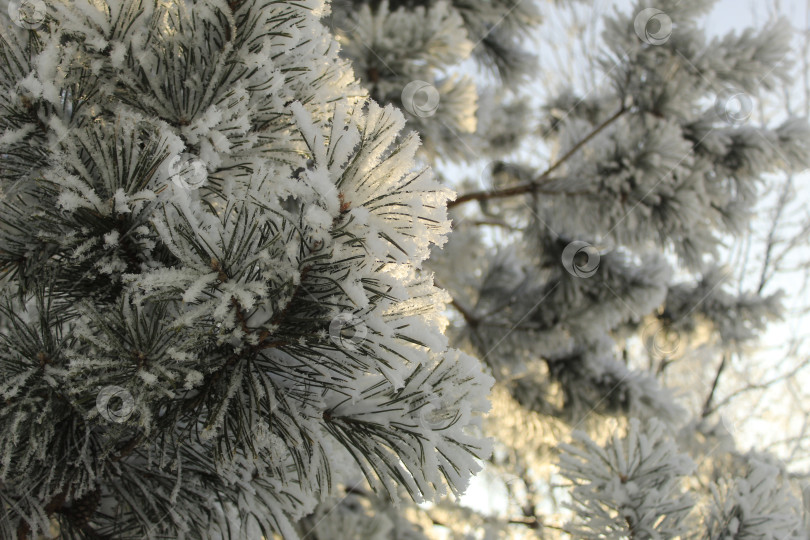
(233, 303)
(212, 296)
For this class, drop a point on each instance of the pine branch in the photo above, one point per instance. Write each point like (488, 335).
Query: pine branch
(535, 185)
(78, 514)
(213, 378)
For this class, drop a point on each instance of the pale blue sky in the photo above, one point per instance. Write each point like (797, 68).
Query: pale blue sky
(735, 14)
(731, 15)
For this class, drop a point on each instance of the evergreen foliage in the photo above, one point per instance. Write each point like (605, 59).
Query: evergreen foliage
(233, 303)
(212, 296)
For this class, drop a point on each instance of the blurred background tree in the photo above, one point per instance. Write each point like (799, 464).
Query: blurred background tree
(631, 211)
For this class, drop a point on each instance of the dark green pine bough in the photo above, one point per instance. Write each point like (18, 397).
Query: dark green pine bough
(213, 307)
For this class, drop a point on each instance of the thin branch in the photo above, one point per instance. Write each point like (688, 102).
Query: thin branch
(529, 521)
(618, 114)
(761, 386)
(491, 223)
(534, 185)
(707, 405)
(771, 241)
(520, 189)
(465, 312)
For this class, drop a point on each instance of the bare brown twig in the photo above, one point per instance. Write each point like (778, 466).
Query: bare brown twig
(535, 185)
